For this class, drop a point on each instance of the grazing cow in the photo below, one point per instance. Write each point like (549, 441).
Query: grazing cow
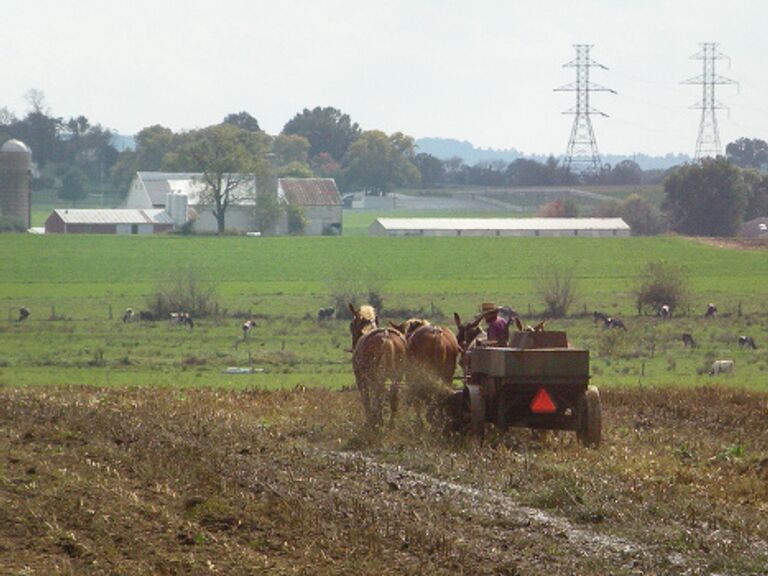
(23, 313)
(711, 311)
(410, 326)
(688, 340)
(610, 322)
(325, 314)
(665, 312)
(128, 315)
(378, 356)
(721, 367)
(248, 325)
(747, 341)
(182, 318)
(599, 316)
(146, 315)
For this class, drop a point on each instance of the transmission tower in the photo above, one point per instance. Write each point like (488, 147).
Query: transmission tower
(708, 141)
(582, 147)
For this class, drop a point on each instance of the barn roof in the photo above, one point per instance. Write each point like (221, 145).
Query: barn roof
(159, 184)
(503, 223)
(114, 216)
(310, 191)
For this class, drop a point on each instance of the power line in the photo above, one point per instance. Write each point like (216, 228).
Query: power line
(708, 140)
(582, 146)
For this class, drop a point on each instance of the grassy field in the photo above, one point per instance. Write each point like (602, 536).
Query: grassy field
(78, 286)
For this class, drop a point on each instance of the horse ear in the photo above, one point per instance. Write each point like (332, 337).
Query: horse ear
(475, 322)
(457, 319)
(352, 309)
(393, 325)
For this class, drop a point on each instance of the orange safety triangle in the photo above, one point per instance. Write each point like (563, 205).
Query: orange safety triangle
(542, 403)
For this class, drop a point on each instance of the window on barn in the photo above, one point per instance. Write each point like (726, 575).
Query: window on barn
(134, 228)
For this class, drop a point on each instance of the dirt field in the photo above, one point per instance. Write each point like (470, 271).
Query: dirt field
(142, 481)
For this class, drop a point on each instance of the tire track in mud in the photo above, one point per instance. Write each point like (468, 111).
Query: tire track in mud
(623, 553)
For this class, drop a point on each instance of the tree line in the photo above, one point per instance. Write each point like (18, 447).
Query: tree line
(75, 156)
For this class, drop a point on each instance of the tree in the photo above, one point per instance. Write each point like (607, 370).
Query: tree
(626, 172)
(748, 152)
(291, 148)
(432, 170)
(705, 199)
(268, 209)
(642, 217)
(757, 194)
(663, 283)
(229, 159)
(243, 120)
(327, 129)
(297, 222)
(155, 147)
(74, 185)
(376, 163)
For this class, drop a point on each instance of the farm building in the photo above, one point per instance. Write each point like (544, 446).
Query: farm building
(757, 228)
(127, 221)
(319, 201)
(589, 227)
(152, 189)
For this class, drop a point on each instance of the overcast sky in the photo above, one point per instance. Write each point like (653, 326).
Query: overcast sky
(476, 70)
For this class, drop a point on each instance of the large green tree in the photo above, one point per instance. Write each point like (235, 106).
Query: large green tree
(74, 185)
(243, 120)
(748, 152)
(155, 146)
(376, 163)
(327, 129)
(706, 199)
(230, 159)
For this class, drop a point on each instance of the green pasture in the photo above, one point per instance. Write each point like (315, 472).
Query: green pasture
(78, 286)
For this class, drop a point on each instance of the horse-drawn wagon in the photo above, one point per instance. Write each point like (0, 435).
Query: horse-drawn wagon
(538, 381)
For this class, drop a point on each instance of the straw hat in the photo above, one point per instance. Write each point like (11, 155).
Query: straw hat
(488, 307)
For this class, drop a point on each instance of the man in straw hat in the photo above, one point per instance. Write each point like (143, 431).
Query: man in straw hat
(497, 327)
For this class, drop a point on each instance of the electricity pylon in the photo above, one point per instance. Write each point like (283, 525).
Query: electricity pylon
(582, 146)
(708, 141)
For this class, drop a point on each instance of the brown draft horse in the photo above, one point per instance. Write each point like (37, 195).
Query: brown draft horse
(431, 353)
(378, 355)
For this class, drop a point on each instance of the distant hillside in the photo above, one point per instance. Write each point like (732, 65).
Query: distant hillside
(445, 148)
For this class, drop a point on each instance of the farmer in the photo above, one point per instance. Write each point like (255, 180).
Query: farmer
(497, 327)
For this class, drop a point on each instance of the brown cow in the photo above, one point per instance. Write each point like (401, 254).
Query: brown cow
(431, 353)
(378, 356)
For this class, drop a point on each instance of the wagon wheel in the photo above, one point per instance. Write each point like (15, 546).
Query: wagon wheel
(590, 418)
(474, 397)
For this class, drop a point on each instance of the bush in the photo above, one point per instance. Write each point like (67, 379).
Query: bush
(663, 283)
(557, 286)
(8, 224)
(183, 292)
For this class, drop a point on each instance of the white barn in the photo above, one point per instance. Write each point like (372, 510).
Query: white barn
(152, 189)
(586, 227)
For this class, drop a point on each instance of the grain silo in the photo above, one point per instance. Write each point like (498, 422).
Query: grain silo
(15, 181)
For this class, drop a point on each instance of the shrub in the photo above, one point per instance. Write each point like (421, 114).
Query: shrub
(557, 286)
(663, 283)
(183, 291)
(8, 224)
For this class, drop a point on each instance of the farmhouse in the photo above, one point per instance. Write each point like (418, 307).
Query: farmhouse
(590, 227)
(152, 190)
(126, 221)
(319, 201)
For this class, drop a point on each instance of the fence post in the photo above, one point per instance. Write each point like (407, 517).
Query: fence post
(110, 311)
(739, 308)
(53, 312)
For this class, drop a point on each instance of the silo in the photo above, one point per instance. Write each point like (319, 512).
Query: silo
(16, 181)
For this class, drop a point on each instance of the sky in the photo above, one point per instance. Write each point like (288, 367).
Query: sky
(483, 71)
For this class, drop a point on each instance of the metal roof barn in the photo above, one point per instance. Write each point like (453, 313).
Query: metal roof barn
(108, 221)
(589, 227)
